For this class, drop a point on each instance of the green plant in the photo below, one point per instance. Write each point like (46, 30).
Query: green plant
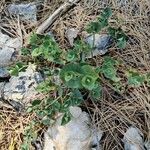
(76, 76)
(19, 66)
(102, 22)
(77, 53)
(47, 108)
(148, 79)
(119, 36)
(48, 49)
(79, 76)
(109, 69)
(135, 78)
(29, 136)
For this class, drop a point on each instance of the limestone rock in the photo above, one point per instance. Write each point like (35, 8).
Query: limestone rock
(76, 135)
(71, 34)
(21, 89)
(27, 12)
(9, 48)
(101, 44)
(147, 144)
(4, 74)
(133, 139)
(2, 84)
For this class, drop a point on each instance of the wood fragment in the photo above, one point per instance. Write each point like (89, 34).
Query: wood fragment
(63, 8)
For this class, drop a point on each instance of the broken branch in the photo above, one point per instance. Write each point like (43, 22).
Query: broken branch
(63, 8)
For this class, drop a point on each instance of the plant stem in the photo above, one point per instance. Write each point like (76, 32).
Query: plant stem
(93, 44)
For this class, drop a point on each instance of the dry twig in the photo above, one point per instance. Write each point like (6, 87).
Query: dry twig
(63, 8)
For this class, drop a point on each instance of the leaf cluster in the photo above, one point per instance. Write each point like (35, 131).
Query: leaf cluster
(47, 108)
(103, 22)
(28, 136)
(109, 69)
(79, 76)
(135, 79)
(48, 50)
(18, 67)
(100, 23)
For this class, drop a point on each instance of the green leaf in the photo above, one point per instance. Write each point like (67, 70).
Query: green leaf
(118, 87)
(69, 75)
(28, 136)
(148, 78)
(109, 69)
(36, 102)
(109, 72)
(81, 46)
(56, 106)
(112, 32)
(74, 81)
(25, 51)
(94, 27)
(109, 61)
(115, 78)
(76, 102)
(33, 38)
(30, 109)
(47, 49)
(72, 56)
(76, 94)
(96, 93)
(14, 71)
(134, 78)
(66, 118)
(121, 42)
(107, 13)
(36, 52)
(72, 74)
(25, 146)
(76, 97)
(88, 82)
(119, 36)
(89, 70)
(103, 22)
(45, 87)
(65, 106)
(46, 121)
(40, 113)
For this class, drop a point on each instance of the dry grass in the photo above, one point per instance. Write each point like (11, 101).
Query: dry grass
(114, 113)
(12, 127)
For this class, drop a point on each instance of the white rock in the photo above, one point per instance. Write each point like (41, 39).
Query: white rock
(22, 88)
(147, 144)
(133, 139)
(71, 34)
(9, 47)
(101, 44)
(75, 111)
(76, 135)
(4, 73)
(2, 84)
(26, 12)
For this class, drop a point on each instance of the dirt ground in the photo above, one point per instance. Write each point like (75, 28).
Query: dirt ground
(113, 113)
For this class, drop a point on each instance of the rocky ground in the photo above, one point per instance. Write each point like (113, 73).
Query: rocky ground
(117, 118)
